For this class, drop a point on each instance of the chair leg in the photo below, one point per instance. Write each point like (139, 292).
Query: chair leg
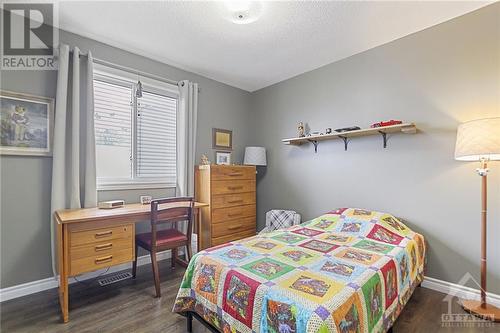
(189, 252)
(134, 264)
(156, 273)
(174, 257)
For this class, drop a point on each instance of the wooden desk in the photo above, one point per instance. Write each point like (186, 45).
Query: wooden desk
(89, 239)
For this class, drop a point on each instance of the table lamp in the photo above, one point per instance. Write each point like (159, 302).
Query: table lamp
(479, 140)
(255, 156)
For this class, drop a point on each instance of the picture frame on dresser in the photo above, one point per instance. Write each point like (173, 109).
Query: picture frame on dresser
(223, 158)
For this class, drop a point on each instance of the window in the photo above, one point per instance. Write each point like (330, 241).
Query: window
(135, 136)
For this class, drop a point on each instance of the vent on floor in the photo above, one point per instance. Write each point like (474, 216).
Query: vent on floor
(114, 278)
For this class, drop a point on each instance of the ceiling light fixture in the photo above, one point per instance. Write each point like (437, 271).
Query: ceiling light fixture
(243, 12)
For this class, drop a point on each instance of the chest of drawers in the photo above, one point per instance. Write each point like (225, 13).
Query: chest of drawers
(230, 192)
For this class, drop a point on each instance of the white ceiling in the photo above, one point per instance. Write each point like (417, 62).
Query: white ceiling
(288, 39)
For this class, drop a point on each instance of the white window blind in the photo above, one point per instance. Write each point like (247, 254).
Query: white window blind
(156, 136)
(113, 130)
(135, 136)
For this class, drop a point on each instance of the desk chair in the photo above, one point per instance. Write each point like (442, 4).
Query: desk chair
(166, 239)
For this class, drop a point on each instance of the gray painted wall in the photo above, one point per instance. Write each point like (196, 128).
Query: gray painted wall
(436, 78)
(25, 181)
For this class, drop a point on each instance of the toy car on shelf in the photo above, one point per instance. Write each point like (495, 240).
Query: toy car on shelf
(386, 123)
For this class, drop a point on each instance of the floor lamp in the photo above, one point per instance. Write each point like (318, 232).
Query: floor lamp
(479, 140)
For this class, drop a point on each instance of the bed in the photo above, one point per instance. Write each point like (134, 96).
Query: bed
(350, 270)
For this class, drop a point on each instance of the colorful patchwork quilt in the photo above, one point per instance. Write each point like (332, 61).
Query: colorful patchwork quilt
(350, 270)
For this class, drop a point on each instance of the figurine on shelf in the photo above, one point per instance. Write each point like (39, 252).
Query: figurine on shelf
(204, 160)
(300, 130)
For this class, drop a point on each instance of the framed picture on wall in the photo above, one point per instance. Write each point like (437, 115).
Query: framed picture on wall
(222, 139)
(26, 124)
(222, 158)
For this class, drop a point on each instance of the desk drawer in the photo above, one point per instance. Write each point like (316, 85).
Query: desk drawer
(95, 262)
(101, 248)
(232, 173)
(231, 200)
(232, 227)
(232, 186)
(232, 237)
(225, 214)
(102, 234)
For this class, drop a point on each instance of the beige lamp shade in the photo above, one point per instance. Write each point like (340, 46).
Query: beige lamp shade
(255, 156)
(478, 139)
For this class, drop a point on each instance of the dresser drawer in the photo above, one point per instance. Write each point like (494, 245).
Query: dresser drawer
(231, 200)
(232, 227)
(101, 234)
(99, 261)
(224, 214)
(101, 248)
(233, 237)
(232, 186)
(232, 173)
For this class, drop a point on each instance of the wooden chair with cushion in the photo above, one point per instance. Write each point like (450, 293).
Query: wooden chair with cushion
(174, 210)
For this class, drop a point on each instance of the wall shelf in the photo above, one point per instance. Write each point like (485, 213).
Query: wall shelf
(406, 128)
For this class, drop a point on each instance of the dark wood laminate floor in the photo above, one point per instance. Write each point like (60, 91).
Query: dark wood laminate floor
(129, 306)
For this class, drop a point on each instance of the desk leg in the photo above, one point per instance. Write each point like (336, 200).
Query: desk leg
(64, 298)
(63, 278)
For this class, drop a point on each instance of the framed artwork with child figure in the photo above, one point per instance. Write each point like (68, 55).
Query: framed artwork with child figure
(26, 124)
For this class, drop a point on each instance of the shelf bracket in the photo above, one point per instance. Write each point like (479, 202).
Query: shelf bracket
(315, 143)
(384, 137)
(346, 141)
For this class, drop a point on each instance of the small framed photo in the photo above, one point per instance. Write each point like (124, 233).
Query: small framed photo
(26, 124)
(146, 199)
(222, 139)
(222, 158)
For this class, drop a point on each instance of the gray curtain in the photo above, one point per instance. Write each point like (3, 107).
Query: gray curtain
(186, 140)
(73, 162)
(186, 137)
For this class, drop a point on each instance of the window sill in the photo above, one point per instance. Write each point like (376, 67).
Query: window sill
(133, 186)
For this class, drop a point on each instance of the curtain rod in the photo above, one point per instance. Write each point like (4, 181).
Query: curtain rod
(130, 70)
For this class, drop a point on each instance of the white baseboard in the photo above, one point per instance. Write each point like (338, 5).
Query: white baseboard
(53, 282)
(458, 290)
